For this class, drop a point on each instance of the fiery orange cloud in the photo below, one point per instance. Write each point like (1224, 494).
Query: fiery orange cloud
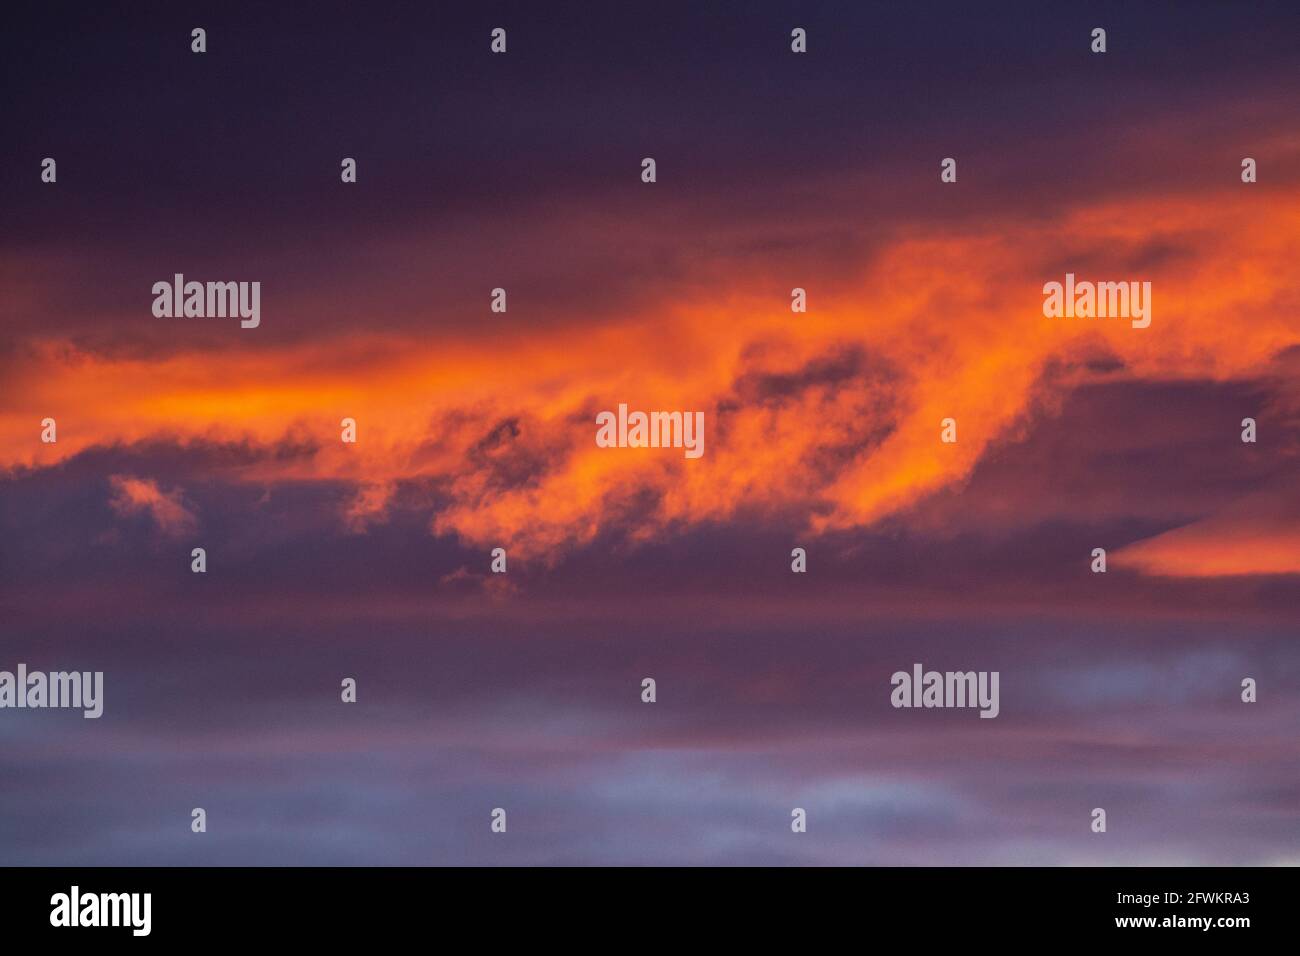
(1259, 534)
(835, 413)
(1210, 550)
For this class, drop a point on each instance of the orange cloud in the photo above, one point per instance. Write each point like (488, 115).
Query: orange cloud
(1259, 534)
(834, 413)
(1209, 550)
(133, 496)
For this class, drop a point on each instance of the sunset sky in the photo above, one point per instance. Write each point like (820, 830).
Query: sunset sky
(476, 431)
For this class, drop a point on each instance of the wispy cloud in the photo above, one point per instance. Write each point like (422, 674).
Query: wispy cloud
(135, 496)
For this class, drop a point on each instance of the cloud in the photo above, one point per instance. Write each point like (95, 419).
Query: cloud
(1220, 546)
(134, 496)
(834, 414)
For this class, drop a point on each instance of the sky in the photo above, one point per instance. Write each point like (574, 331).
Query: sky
(475, 430)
